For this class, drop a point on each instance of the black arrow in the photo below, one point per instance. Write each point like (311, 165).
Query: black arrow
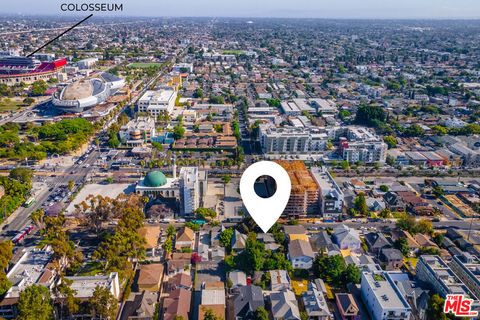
(61, 34)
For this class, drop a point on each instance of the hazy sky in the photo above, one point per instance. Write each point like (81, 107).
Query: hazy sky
(269, 8)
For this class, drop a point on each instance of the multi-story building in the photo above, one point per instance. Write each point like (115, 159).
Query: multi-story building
(34, 267)
(138, 131)
(331, 196)
(192, 185)
(305, 192)
(436, 274)
(360, 144)
(382, 297)
(292, 140)
(156, 102)
(467, 268)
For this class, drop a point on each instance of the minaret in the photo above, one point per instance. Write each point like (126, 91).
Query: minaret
(174, 167)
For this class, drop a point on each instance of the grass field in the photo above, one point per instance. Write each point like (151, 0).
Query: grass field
(7, 105)
(144, 64)
(235, 52)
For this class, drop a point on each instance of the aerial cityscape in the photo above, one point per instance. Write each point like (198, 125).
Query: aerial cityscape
(123, 142)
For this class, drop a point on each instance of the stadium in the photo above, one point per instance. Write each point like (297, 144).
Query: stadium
(15, 69)
(87, 93)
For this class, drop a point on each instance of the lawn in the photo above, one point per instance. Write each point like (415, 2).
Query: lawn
(235, 52)
(7, 105)
(144, 64)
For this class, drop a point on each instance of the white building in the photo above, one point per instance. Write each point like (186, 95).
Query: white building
(436, 274)
(331, 196)
(84, 286)
(190, 189)
(291, 140)
(87, 63)
(138, 131)
(382, 297)
(361, 144)
(183, 67)
(301, 254)
(156, 102)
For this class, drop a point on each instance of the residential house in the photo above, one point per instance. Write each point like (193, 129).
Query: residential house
(151, 235)
(239, 241)
(314, 301)
(139, 306)
(185, 239)
(150, 277)
(246, 300)
(284, 306)
(179, 281)
(347, 238)
(347, 306)
(413, 245)
(376, 242)
(392, 258)
(179, 263)
(177, 304)
(321, 242)
(301, 254)
(394, 202)
(237, 279)
(279, 280)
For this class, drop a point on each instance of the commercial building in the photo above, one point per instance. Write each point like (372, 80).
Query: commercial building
(138, 131)
(382, 297)
(156, 102)
(292, 140)
(304, 196)
(331, 195)
(436, 274)
(360, 144)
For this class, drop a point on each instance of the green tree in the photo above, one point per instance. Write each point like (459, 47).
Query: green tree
(23, 175)
(370, 115)
(39, 87)
(37, 217)
(383, 188)
(204, 213)
(35, 303)
(406, 222)
(424, 226)
(210, 315)
(402, 245)
(178, 131)
(71, 185)
(330, 268)
(351, 274)
(171, 231)
(435, 309)
(103, 304)
(360, 204)
(261, 314)
(225, 239)
(391, 141)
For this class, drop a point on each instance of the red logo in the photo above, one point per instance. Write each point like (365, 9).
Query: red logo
(459, 305)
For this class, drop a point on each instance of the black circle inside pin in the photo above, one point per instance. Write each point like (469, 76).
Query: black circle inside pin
(265, 186)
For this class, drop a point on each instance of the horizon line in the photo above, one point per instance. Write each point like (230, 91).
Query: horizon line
(113, 16)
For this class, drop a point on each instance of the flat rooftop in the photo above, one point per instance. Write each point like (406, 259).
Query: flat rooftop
(384, 291)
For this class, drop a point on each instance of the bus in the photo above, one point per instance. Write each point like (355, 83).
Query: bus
(30, 202)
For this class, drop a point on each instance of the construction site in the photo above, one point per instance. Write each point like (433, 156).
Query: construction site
(304, 197)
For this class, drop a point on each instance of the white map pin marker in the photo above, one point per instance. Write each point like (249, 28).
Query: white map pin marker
(265, 211)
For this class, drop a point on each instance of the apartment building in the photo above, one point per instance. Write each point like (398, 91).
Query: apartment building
(292, 140)
(331, 195)
(158, 101)
(361, 144)
(191, 181)
(467, 268)
(382, 297)
(436, 274)
(304, 196)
